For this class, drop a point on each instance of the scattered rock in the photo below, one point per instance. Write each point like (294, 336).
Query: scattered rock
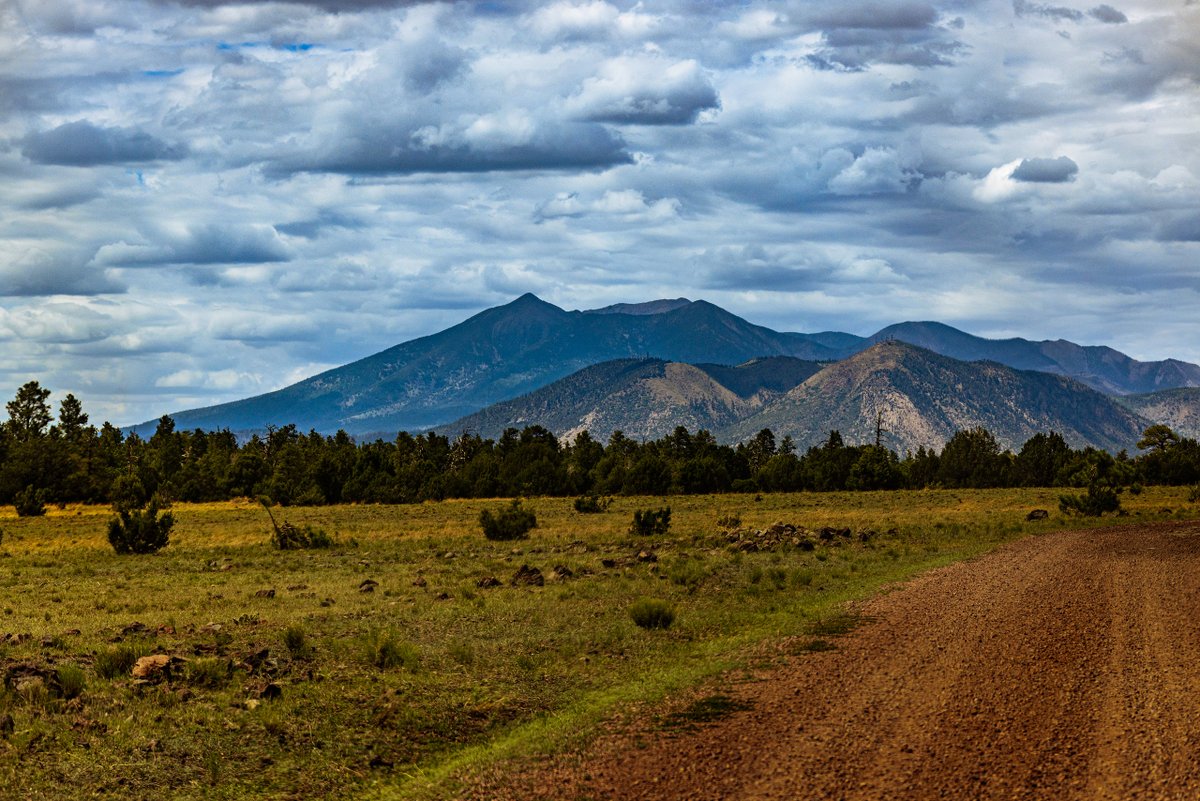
(647, 556)
(561, 573)
(1037, 514)
(27, 675)
(265, 593)
(135, 628)
(297, 587)
(6, 725)
(72, 633)
(420, 581)
(327, 602)
(528, 576)
(268, 692)
(449, 555)
(368, 585)
(155, 668)
(609, 563)
(443, 596)
(487, 582)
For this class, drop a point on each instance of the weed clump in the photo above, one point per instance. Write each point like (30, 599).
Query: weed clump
(111, 663)
(652, 613)
(510, 523)
(30, 502)
(385, 651)
(71, 681)
(140, 531)
(591, 504)
(651, 523)
(296, 641)
(1194, 493)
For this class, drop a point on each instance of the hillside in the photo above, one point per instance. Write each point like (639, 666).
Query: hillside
(1101, 368)
(925, 397)
(644, 398)
(1177, 408)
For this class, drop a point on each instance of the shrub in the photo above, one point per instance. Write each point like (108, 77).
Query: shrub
(140, 530)
(510, 523)
(729, 522)
(30, 502)
(1098, 500)
(287, 537)
(1194, 493)
(296, 641)
(590, 504)
(650, 523)
(652, 613)
(114, 662)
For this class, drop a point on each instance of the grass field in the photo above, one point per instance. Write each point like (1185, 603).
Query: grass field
(322, 689)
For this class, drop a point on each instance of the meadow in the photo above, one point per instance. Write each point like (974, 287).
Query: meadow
(403, 657)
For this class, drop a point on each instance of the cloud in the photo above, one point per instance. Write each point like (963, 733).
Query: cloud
(1108, 14)
(876, 171)
(590, 21)
(497, 142)
(81, 144)
(1046, 171)
(645, 91)
(30, 268)
(200, 244)
(1023, 8)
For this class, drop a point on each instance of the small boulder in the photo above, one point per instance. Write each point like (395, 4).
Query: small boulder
(528, 576)
(487, 582)
(647, 556)
(1037, 514)
(420, 581)
(561, 573)
(154, 668)
(265, 593)
(368, 585)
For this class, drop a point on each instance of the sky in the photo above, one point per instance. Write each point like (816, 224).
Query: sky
(204, 200)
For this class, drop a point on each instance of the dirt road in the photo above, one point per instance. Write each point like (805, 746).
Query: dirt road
(1065, 666)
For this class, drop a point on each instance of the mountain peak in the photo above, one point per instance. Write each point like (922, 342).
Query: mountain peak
(660, 306)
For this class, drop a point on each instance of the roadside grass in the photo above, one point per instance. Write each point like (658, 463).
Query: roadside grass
(384, 668)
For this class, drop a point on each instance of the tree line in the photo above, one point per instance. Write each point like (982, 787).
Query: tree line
(65, 459)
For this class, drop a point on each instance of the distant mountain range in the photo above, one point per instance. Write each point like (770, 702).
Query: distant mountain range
(681, 362)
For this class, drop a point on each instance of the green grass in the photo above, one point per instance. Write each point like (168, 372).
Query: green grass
(398, 692)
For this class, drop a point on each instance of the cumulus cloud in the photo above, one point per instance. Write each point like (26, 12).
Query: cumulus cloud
(81, 144)
(1046, 171)
(31, 268)
(199, 244)
(645, 91)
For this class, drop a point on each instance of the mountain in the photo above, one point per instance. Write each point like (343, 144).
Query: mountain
(1177, 408)
(925, 398)
(511, 350)
(1101, 368)
(644, 398)
(500, 353)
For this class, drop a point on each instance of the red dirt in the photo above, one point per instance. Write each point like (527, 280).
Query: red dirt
(1064, 666)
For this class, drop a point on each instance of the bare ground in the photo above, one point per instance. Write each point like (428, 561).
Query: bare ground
(1064, 666)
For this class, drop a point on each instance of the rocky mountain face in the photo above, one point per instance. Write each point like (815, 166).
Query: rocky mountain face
(923, 398)
(644, 398)
(1177, 408)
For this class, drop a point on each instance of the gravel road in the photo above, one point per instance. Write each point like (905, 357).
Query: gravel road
(1063, 666)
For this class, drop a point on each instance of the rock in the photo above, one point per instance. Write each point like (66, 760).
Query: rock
(443, 596)
(647, 556)
(28, 675)
(449, 555)
(561, 573)
(368, 585)
(135, 628)
(6, 725)
(528, 576)
(420, 581)
(265, 593)
(487, 582)
(867, 536)
(155, 668)
(269, 692)
(609, 563)
(1037, 514)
